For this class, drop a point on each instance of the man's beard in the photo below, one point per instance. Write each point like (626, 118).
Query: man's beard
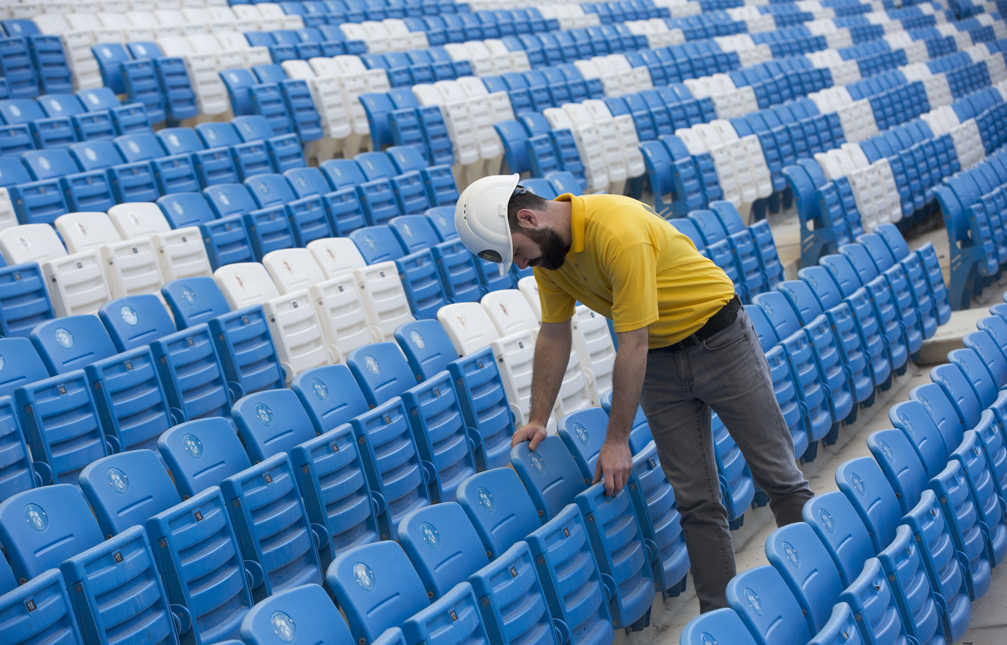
(552, 248)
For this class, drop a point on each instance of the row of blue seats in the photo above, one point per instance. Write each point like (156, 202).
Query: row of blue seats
(909, 541)
(33, 65)
(971, 203)
(94, 175)
(306, 43)
(337, 12)
(692, 178)
(418, 66)
(61, 119)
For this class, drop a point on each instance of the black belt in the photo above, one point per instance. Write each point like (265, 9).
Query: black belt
(715, 323)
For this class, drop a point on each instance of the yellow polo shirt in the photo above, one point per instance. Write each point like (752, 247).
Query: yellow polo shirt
(628, 264)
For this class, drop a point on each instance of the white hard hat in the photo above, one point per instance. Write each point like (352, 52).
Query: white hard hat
(481, 218)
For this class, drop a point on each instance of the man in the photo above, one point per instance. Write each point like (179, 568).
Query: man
(685, 346)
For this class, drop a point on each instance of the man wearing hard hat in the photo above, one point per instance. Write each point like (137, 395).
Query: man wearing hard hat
(685, 346)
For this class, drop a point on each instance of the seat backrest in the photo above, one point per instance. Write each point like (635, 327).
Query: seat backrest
(823, 285)
(271, 422)
(30, 243)
(41, 527)
(252, 127)
(583, 432)
(903, 563)
(136, 321)
(186, 209)
(293, 269)
(72, 342)
(20, 363)
(843, 272)
(218, 134)
(861, 260)
(336, 255)
(941, 409)
(550, 473)
(808, 569)
(766, 606)
(781, 314)
(139, 146)
(802, 299)
(190, 370)
(499, 507)
(180, 140)
(468, 325)
(245, 283)
(841, 530)
(415, 232)
(331, 396)
(343, 172)
(194, 300)
(138, 219)
(443, 545)
(304, 612)
(427, 347)
(376, 586)
(50, 586)
(873, 601)
(377, 244)
(510, 311)
(381, 370)
(230, 199)
(83, 231)
(202, 453)
(126, 488)
(901, 464)
(376, 165)
(717, 626)
(269, 189)
(924, 436)
(865, 484)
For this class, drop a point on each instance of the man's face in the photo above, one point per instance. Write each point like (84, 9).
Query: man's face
(538, 247)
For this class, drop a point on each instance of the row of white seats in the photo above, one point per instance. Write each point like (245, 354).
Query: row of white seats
(489, 56)
(617, 76)
(32, 8)
(470, 111)
(80, 31)
(388, 35)
(608, 145)
(508, 322)
(130, 250)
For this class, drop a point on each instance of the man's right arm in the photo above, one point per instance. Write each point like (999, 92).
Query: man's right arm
(552, 354)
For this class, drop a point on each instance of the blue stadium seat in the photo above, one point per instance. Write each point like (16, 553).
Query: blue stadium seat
(721, 625)
(485, 406)
(125, 489)
(583, 432)
(179, 96)
(47, 589)
(894, 452)
(307, 123)
(918, 602)
(85, 191)
(443, 219)
(414, 232)
(269, 227)
(194, 300)
(443, 545)
(340, 505)
(807, 568)
(184, 447)
(174, 173)
(381, 370)
(304, 612)
(766, 606)
(972, 455)
(331, 396)
(271, 422)
(427, 348)
(213, 165)
(342, 205)
(498, 507)
(214, 590)
(133, 181)
(307, 215)
(19, 473)
(400, 478)
(550, 473)
(376, 587)
(570, 576)
(452, 619)
(872, 597)
(110, 57)
(952, 488)
(142, 86)
(284, 150)
(22, 364)
(840, 529)
(621, 553)
(872, 496)
(513, 602)
(190, 371)
(42, 527)
(136, 321)
(43, 407)
(246, 351)
(131, 402)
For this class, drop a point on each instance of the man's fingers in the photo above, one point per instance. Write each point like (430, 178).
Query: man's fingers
(536, 439)
(597, 472)
(609, 483)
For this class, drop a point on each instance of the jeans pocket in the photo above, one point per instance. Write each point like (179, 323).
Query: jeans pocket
(727, 337)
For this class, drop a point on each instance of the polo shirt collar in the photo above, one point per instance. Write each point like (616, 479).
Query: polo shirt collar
(576, 221)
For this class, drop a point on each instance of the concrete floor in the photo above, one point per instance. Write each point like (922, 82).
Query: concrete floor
(988, 625)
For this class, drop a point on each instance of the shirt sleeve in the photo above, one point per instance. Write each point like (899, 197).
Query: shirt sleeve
(633, 274)
(557, 305)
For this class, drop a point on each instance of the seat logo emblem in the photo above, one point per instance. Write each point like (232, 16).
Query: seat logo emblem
(753, 600)
(1, 363)
(417, 339)
(283, 626)
(91, 154)
(321, 390)
(64, 338)
(580, 431)
(193, 445)
(363, 575)
(408, 231)
(791, 553)
(189, 295)
(708, 639)
(885, 449)
(827, 520)
(486, 499)
(857, 482)
(430, 534)
(128, 315)
(372, 364)
(264, 413)
(36, 517)
(537, 462)
(118, 480)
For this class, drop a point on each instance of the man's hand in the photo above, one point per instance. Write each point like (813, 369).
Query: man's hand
(533, 433)
(615, 461)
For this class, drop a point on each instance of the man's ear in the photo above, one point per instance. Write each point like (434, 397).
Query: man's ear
(527, 218)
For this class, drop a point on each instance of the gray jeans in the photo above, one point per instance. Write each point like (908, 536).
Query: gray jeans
(728, 373)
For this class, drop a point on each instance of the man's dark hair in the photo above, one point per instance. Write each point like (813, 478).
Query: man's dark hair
(522, 198)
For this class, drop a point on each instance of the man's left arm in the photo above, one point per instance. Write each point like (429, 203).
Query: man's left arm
(615, 460)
